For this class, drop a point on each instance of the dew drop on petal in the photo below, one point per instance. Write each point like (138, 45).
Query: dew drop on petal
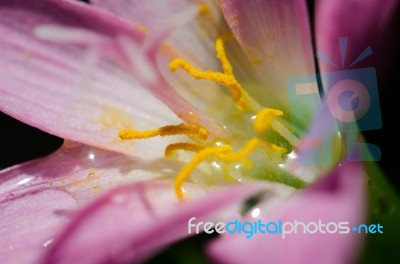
(216, 165)
(91, 156)
(255, 212)
(48, 242)
(24, 181)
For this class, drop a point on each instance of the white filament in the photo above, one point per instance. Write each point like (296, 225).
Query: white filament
(63, 34)
(140, 64)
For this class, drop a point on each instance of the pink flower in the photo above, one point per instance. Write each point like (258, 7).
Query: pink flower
(115, 80)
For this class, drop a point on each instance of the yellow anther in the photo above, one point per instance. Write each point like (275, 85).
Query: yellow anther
(134, 134)
(221, 55)
(170, 130)
(221, 78)
(264, 119)
(204, 9)
(238, 94)
(187, 170)
(171, 148)
(225, 78)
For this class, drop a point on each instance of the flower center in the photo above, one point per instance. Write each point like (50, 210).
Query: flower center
(222, 151)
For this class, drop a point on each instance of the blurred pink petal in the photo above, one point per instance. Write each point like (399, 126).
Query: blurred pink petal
(50, 190)
(133, 222)
(363, 22)
(337, 197)
(276, 38)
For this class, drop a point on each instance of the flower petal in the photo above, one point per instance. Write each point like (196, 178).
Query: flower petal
(51, 189)
(21, 223)
(338, 197)
(192, 40)
(71, 90)
(200, 33)
(275, 36)
(135, 222)
(363, 23)
(56, 187)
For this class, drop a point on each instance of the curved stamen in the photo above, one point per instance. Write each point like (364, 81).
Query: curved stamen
(171, 148)
(227, 78)
(187, 170)
(251, 145)
(264, 119)
(170, 130)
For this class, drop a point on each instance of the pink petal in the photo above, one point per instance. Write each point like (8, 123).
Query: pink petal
(192, 40)
(28, 225)
(39, 197)
(62, 90)
(337, 197)
(133, 222)
(275, 36)
(363, 22)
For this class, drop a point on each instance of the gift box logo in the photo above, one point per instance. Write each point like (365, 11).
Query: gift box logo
(352, 101)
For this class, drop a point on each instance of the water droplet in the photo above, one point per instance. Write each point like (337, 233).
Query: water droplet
(216, 165)
(235, 171)
(292, 155)
(219, 144)
(91, 156)
(48, 242)
(251, 202)
(256, 212)
(26, 180)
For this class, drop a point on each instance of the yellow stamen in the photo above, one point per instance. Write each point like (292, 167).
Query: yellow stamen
(221, 78)
(171, 148)
(221, 55)
(243, 153)
(204, 9)
(246, 150)
(187, 170)
(134, 134)
(170, 130)
(264, 119)
(226, 78)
